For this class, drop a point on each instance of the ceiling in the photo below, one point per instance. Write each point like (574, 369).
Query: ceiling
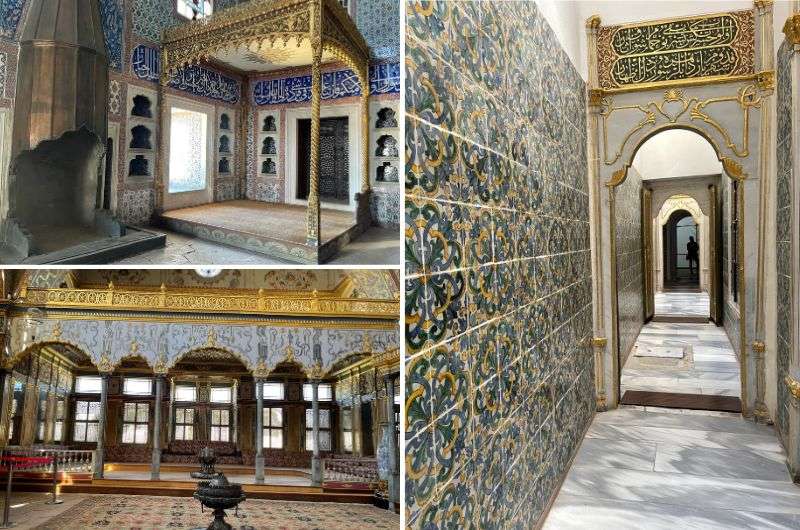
(267, 58)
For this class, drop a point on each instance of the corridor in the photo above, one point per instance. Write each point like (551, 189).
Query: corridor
(657, 469)
(684, 359)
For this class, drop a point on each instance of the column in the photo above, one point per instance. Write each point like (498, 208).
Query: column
(259, 431)
(5, 409)
(394, 472)
(316, 467)
(155, 466)
(235, 420)
(99, 458)
(171, 412)
(356, 413)
(313, 210)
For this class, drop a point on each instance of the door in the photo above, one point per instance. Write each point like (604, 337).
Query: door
(715, 269)
(334, 160)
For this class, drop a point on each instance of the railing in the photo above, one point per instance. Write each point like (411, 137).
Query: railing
(349, 469)
(66, 460)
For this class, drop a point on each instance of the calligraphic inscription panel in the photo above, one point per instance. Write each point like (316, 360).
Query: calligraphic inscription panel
(711, 46)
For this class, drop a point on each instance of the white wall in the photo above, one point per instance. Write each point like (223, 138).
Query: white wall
(676, 153)
(563, 17)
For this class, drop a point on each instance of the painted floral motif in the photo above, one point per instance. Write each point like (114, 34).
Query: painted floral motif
(498, 283)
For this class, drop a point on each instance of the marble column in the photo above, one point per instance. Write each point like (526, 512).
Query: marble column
(316, 464)
(171, 412)
(234, 438)
(99, 458)
(155, 466)
(356, 414)
(6, 384)
(394, 472)
(259, 431)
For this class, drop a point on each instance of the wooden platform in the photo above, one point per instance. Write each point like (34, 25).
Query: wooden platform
(682, 401)
(277, 230)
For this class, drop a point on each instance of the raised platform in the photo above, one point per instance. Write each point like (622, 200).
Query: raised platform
(277, 230)
(89, 249)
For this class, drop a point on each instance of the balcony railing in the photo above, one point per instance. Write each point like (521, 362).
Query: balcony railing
(349, 469)
(67, 460)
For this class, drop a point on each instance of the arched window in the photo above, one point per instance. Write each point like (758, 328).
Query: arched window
(195, 9)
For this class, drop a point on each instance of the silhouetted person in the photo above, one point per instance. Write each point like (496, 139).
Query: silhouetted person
(692, 257)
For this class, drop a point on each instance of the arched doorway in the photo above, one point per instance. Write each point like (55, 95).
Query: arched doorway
(681, 260)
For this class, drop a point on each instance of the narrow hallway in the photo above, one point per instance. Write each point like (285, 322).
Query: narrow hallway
(667, 469)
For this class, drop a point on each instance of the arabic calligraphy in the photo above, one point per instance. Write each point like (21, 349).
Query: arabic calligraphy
(721, 45)
(383, 79)
(196, 80)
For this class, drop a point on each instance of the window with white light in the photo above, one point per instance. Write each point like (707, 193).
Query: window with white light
(324, 430)
(324, 393)
(195, 9)
(221, 394)
(188, 169)
(137, 386)
(58, 426)
(135, 423)
(273, 391)
(184, 424)
(347, 430)
(185, 393)
(87, 417)
(220, 425)
(88, 384)
(273, 428)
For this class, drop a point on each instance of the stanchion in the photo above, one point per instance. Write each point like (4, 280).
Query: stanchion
(7, 507)
(55, 499)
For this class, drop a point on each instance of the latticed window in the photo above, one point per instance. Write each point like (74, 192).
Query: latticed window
(324, 430)
(184, 424)
(220, 425)
(58, 425)
(273, 427)
(135, 423)
(87, 416)
(42, 417)
(195, 9)
(324, 392)
(347, 430)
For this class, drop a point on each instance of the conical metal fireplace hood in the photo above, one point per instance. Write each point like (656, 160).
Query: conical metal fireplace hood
(62, 80)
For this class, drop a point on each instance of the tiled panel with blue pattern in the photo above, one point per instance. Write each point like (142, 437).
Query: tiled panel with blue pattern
(10, 17)
(383, 79)
(112, 13)
(499, 364)
(629, 272)
(196, 80)
(785, 233)
(378, 21)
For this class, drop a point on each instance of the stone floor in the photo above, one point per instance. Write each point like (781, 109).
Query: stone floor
(377, 246)
(709, 365)
(643, 468)
(682, 303)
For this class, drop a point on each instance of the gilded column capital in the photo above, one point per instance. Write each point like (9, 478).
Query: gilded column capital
(792, 29)
(161, 367)
(759, 346)
(593, 22)
(766, 81)
(595, 97)
(599, 342)
(794, 387)
(105, 366)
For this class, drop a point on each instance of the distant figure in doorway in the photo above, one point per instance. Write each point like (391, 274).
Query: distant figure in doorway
(692, 257)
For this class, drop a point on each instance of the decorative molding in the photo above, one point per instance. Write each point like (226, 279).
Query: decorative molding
(599, 342)
(212, 302)
(759, 347)
(593, 22)
(792, 29)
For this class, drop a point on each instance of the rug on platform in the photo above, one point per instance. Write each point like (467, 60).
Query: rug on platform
(135, 512)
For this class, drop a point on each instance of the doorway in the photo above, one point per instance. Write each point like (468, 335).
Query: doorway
(334, 160)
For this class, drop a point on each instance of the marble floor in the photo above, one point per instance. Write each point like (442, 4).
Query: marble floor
(377, 246)
(708, 365)
(653, 469)
(682, 303)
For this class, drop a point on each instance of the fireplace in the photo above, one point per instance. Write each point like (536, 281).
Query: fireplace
(334, 159)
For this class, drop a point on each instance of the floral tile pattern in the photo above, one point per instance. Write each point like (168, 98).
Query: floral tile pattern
(785, 233)
(630, 284)
(498, 289)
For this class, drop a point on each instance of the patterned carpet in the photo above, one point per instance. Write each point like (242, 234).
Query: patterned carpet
(121, 512)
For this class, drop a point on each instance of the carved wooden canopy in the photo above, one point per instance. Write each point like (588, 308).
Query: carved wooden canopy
(262, 24)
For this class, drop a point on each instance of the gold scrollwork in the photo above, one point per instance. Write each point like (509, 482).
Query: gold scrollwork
(748, 97)
(792, 29)
(794, 386)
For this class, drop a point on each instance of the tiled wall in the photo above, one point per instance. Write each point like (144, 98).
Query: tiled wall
(630, 287)
(499, 370)
(784, 234)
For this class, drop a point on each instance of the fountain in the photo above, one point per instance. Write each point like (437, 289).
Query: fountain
(207, 460)
(219, 495)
